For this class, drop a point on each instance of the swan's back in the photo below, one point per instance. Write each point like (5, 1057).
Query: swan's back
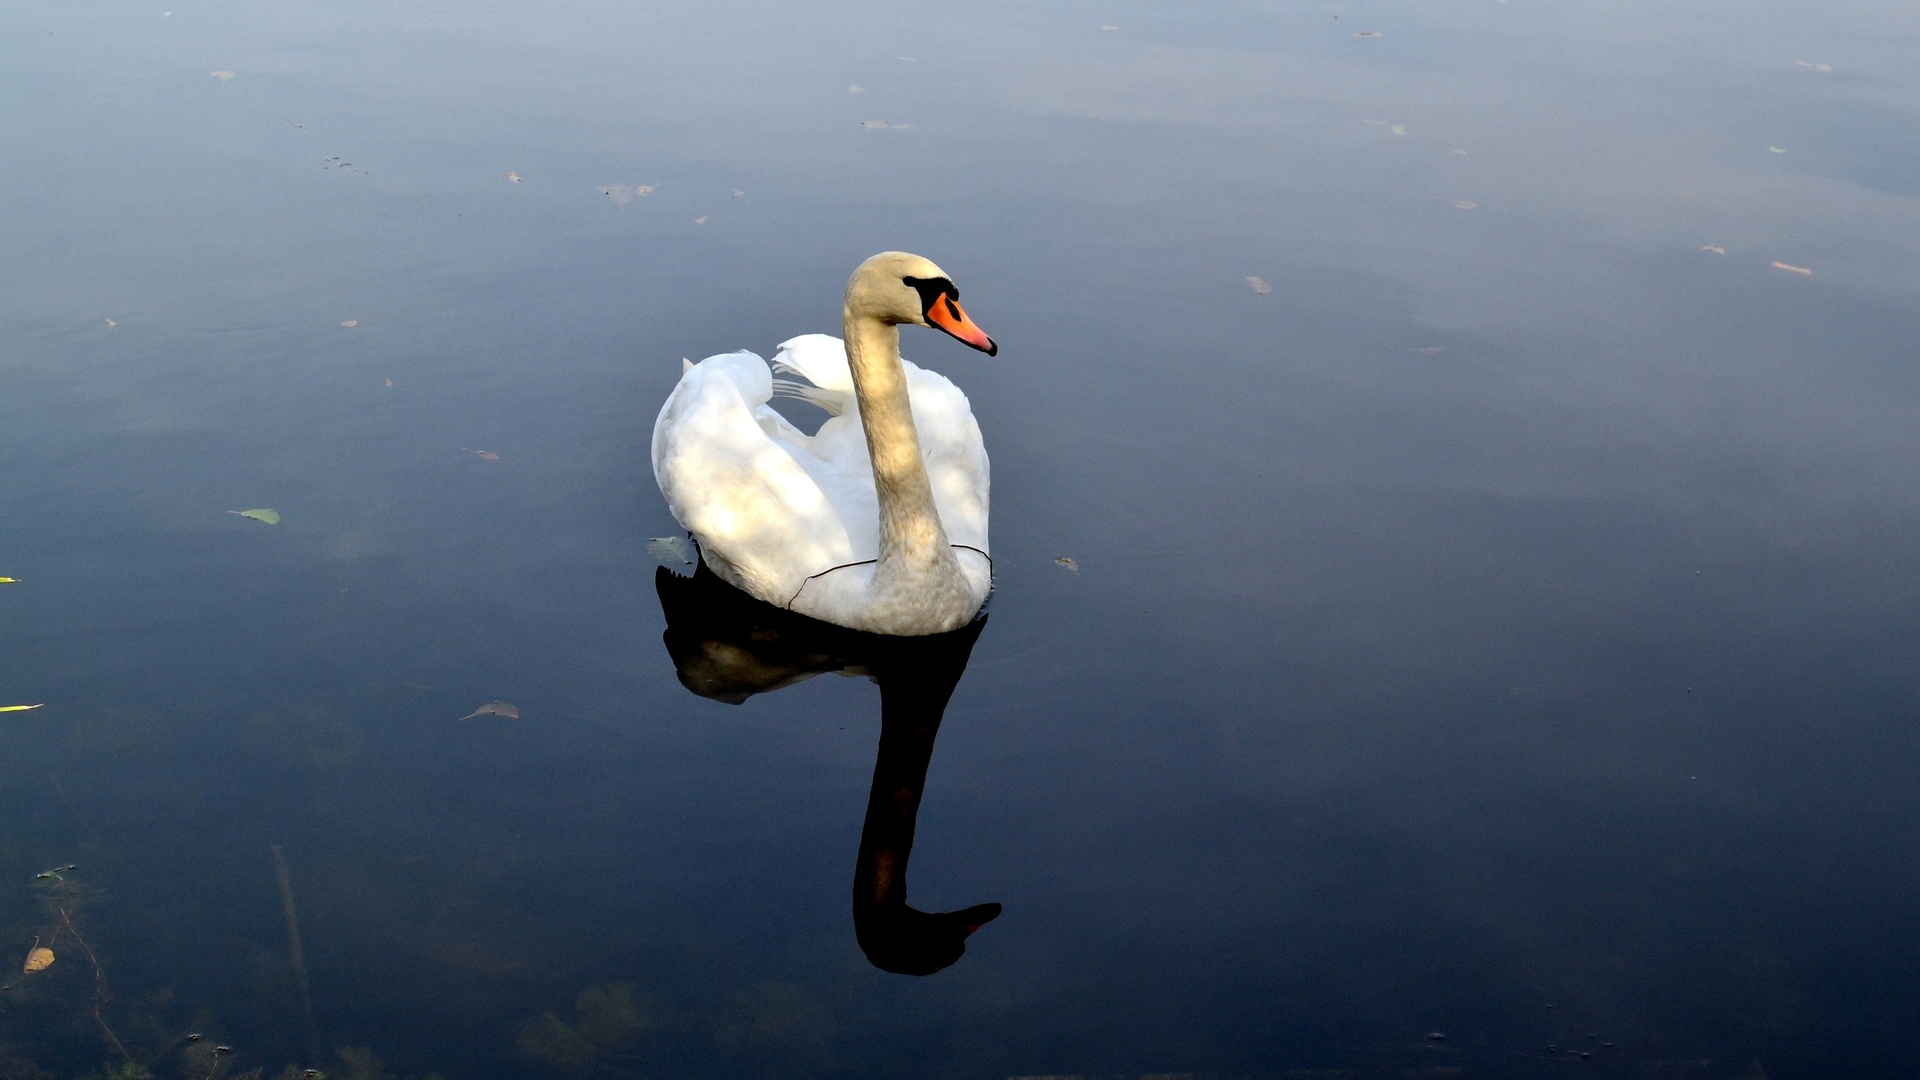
(775, 510)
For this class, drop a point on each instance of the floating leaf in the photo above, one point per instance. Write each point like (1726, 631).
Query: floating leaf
(1792, 269)
(1109, 27)
(1068, 563)
(1775, 150)
(856, 89)
(1429, 350)
(1715, 248)
(701, 220)
(494, 708)
(1366, 33)
(1259, 286)
(1375, 123)
(515, 177)
(1455, 153)
(223, 76)
(622, 194)
(1398, 129)
(737, 193)
(351, 323)
(111, 324)
(19, 708)
(671, 549)
(9, 580)
(1464, 204)
(40, 959)
(1814, 67)
(389, 383)
(483, 455)
(873, 125)
(271, 517)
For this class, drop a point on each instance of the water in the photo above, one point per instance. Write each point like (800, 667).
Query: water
(1503, 628)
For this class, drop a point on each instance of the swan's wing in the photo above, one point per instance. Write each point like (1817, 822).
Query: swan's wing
(822, 358)
(950, 443)
(822, 361)
(729, 468)
(956, 455)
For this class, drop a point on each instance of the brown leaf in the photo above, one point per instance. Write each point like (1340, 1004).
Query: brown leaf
(1068, 563)
(495, 708)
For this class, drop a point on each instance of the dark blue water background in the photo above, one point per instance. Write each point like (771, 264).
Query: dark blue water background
(1505, 627)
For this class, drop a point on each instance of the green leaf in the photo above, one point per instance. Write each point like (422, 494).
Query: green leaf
(271, 517)
(19, 708)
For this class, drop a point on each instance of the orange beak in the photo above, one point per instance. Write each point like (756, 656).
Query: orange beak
(945, 313)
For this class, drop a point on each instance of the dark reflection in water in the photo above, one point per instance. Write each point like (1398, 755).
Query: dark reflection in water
(728, 646)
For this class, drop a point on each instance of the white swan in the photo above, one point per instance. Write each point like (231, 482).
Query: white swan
(878, 521)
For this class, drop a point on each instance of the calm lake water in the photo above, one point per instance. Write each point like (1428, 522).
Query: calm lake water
(1483, 436)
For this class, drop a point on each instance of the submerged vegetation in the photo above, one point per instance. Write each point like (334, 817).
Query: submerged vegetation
(58, 1006)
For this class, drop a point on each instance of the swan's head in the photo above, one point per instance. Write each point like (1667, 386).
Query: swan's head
(896, 287)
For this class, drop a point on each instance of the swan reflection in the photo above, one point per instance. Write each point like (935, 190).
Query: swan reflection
(728, 646)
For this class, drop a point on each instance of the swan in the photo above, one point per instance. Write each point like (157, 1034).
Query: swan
(877, 521)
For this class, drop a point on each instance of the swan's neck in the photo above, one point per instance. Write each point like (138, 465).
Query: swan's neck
(912, 542)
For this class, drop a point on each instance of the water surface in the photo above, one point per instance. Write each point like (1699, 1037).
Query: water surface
(1502, 628)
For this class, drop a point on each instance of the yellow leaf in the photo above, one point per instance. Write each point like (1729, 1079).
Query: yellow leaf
(9, 580)
(40, 959)
(19, 708)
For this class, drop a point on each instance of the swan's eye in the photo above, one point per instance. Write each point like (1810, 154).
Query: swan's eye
(931, 290)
